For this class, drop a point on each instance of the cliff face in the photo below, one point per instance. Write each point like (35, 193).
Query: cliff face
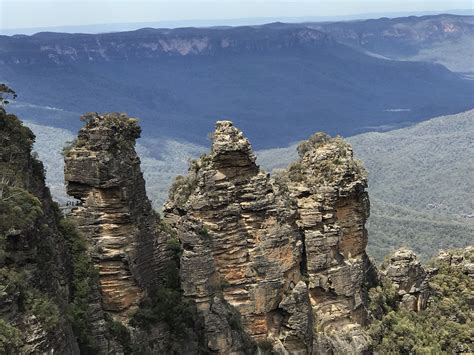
(328, 185)
(241, 247)
(148, 43)
(34, 261)
(243, 263)
(287, 254)
(102, 171)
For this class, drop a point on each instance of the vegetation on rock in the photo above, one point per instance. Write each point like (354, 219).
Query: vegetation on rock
(445, 326)
(84, 280)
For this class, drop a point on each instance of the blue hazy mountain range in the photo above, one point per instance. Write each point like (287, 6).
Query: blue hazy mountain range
(278, 82)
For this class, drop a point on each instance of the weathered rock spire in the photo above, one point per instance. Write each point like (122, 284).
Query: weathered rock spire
(286, 253)
(102, 171)
(328, 185)
(242, 250)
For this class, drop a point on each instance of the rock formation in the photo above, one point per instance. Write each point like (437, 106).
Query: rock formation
(328, 185)
(34, 260)
(102, 171)
(409, 277)
(461, 258)
(242, 249)
(287, 254)
(266, 264)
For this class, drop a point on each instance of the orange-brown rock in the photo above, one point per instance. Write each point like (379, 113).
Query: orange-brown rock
(286, 253)
(242, 249)
(102, 171)
(328, 185)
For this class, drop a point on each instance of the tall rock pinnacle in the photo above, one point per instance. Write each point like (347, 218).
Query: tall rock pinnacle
(242, 249)
(102, 171)
(329, 187)
(287, 254)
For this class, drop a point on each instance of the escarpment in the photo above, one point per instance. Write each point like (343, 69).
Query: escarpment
(34, 259)
(287, 253)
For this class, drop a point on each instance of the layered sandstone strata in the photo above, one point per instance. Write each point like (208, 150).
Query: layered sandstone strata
(328, 185)
(286, 253)
(102, 171)
(242, 248)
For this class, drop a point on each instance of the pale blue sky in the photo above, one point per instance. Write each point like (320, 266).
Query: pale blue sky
(41, 13)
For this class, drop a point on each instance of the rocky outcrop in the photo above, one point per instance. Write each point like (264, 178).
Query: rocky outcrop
(462, 259)
(409, 278)
(242, 249)
(34, 260)
(102, 171)
(286, 253)
(328, 185)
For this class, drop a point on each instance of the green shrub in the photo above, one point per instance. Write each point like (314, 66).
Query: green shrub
(10, 338)
(203, 232)
(120, 333)
(313, 142)
(84, 282)
(445, 326)
(164, 305)
(44, 309)
(18, 209)
(295, 172)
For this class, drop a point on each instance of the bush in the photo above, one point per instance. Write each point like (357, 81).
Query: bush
(295, 172)
(43, 309)
(313, 142)
(10, 338)
(18, 209)
(445, 326)
(164, 305)
(84, 282)
(120, 333)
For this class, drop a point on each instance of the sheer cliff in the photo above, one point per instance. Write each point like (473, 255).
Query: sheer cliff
(129, 246)
(34, 258)
(329, 185)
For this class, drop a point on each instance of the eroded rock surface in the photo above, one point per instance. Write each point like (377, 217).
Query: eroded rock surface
(286, 253)
(328, 185)
(241, 247)
(102, 171)
(409, 277)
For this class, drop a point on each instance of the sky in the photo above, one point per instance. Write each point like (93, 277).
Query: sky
(17, 14)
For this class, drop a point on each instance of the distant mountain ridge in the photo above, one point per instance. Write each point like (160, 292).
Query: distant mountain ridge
(388, 36)
(276, 82)
(149, 43)
(445, 39)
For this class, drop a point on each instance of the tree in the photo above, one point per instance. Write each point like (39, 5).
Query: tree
(6, 94)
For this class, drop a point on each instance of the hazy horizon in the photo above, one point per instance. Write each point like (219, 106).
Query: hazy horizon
(35, 15)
